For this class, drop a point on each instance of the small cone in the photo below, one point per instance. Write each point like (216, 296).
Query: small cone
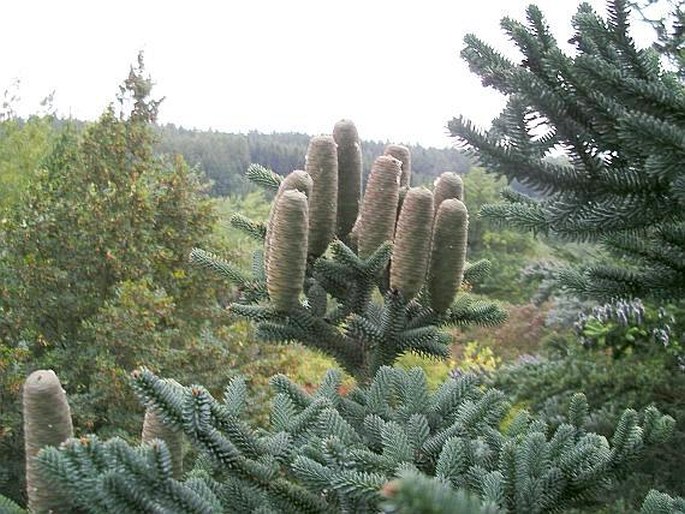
(448, 255)
(402, 154)
(448, 185)
(412, 242)
(379, 207)
(47, 422)
(322, 165)
(349, 176)
(154, 428)
(297, 180)
(288, 250)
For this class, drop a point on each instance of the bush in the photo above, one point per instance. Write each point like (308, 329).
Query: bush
(94, 274)
(546, 385)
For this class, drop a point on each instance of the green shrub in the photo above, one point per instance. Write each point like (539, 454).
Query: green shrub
(94, 274)
(546, 386)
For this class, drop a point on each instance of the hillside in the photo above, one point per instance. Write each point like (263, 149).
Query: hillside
(224, 157)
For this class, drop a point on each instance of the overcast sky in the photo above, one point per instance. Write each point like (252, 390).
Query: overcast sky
(392, 66)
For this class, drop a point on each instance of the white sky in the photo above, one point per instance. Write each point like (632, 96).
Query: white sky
(271, 65)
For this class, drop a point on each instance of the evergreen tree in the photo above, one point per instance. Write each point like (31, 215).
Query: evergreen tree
(619, 117)
(332, 452)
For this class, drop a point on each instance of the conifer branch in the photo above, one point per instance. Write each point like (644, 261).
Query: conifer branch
(263, 177)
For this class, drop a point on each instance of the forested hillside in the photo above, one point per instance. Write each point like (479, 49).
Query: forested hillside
(224, 157)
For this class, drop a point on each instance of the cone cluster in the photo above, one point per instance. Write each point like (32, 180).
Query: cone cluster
(312, 207)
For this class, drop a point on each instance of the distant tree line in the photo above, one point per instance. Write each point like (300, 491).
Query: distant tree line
(224, 157)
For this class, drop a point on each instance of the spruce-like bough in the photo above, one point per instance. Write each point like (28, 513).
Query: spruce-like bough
(391, 444)
(619, 118)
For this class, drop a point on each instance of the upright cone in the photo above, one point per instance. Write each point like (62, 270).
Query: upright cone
(402, 154)
(322, 165)
(448, 255)
(297, 180)
(448, 185)
(154, 428)
(47, 422)
(287, 249)
(412, 242)
(349, 176)
(379, 207)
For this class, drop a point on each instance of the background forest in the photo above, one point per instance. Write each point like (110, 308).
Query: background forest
(98, 220)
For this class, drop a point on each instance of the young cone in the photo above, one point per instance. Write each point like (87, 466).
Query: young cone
(154, 428)
(322, 165)
(448, 255)
(297, 180)
(349, 175)
(47, 422)
(379, 206)
(402, 154)
(288, 250)
(412, 242)
(448, 185)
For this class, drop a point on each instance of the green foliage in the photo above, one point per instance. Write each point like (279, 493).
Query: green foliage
(523, 332)
(94, 273)
(23, 147)
(629, 326)
(638, 380)
(660, 503)
(223, 158)
(238, 244)
(414, 493)
(326, 451)
(118, 472)
(618, 116)
(511, 250)
(7, 506)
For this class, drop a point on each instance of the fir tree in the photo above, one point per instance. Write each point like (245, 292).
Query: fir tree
(619, 118)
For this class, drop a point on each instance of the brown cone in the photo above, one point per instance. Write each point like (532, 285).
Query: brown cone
(379, 206)
(448, 254)
(412, 242)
